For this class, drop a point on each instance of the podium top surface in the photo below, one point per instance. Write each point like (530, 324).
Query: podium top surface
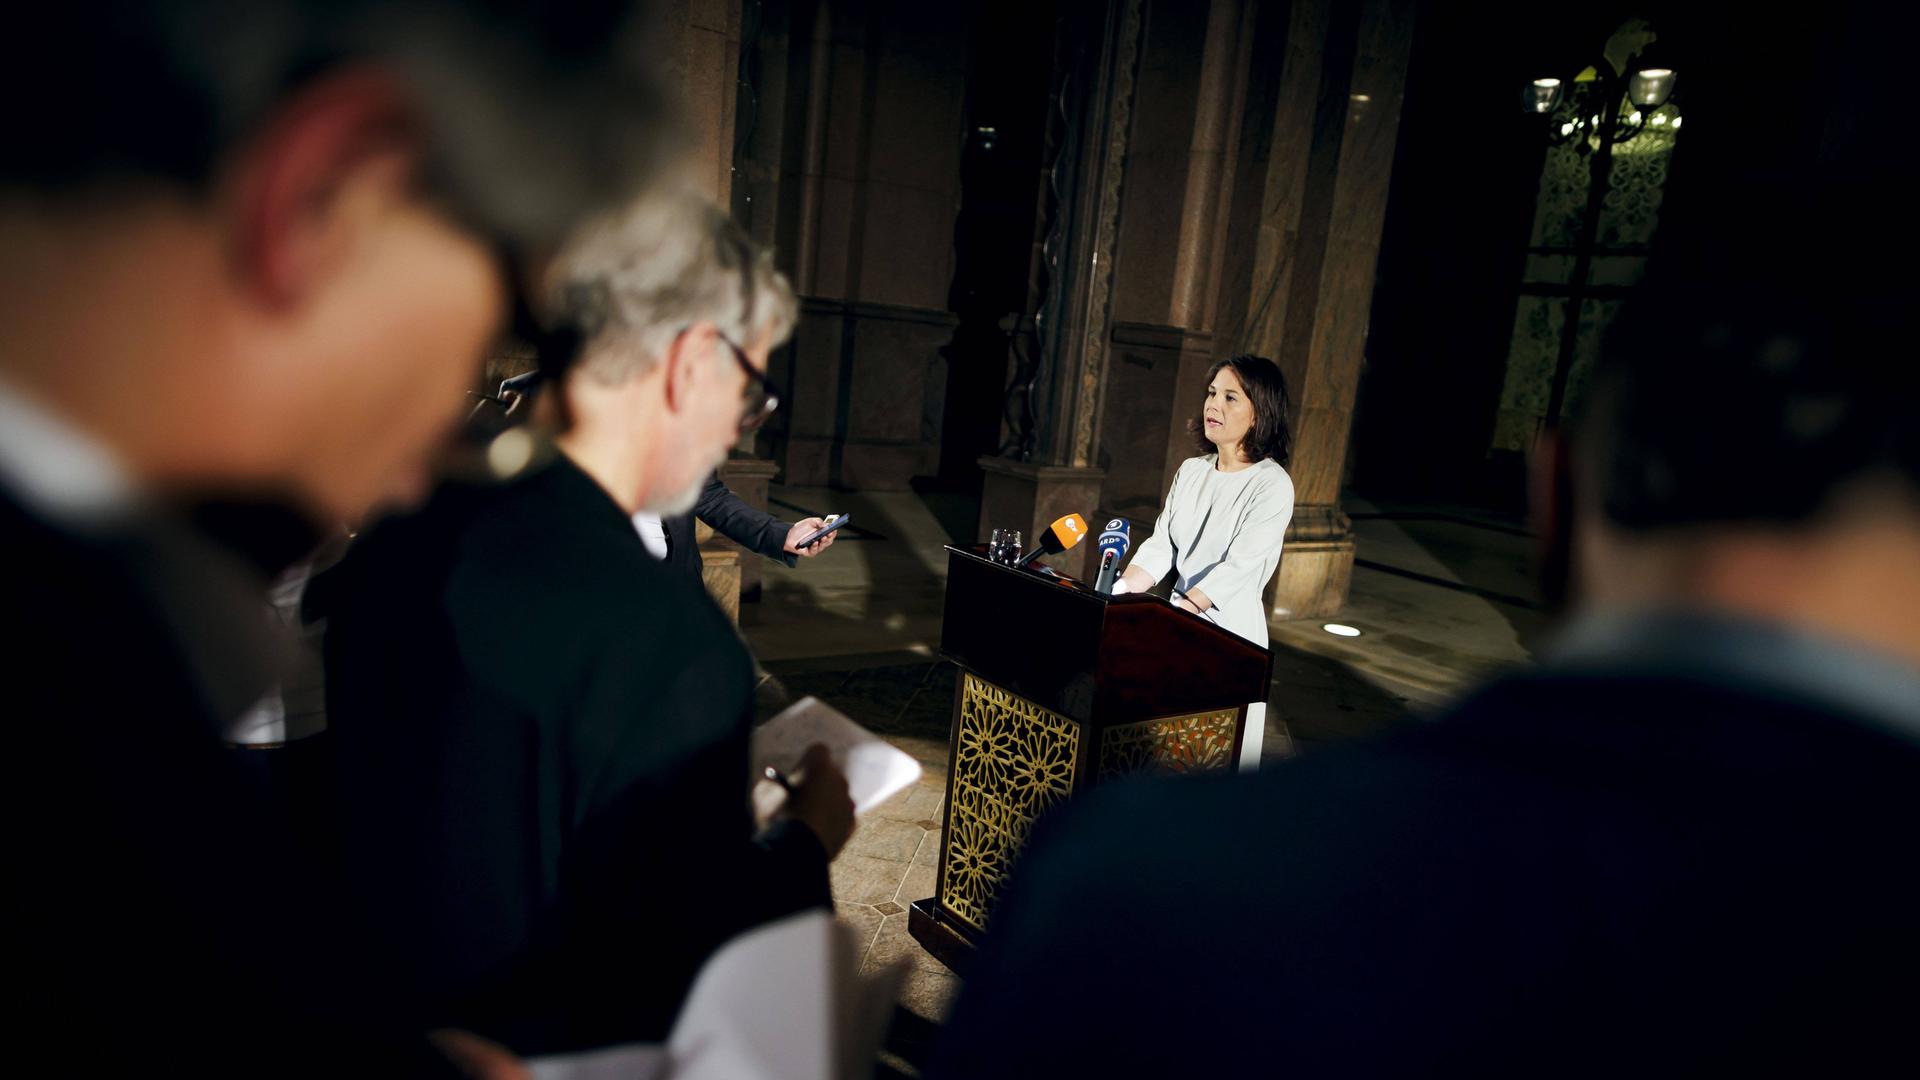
(1054, 640)
(1063, 585)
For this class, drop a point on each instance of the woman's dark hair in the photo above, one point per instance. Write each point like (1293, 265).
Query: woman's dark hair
(1270, 436)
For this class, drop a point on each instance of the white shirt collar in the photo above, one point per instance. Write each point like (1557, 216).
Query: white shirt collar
(54, 467)
(653, 533)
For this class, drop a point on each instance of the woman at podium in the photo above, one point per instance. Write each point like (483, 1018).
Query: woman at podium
(1226, 515)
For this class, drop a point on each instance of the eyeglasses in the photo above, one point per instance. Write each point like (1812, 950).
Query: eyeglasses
(759, 400)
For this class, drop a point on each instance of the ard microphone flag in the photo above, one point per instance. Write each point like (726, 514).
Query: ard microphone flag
(1061, 535)
(1114, 541)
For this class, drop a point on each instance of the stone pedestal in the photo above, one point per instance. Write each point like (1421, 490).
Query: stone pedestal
(1316, 565)
(748, 478)
(1154, 386)
(1018, 495)
(720, 573)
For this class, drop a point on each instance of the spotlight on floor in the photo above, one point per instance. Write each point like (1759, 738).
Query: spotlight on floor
(1341, 630)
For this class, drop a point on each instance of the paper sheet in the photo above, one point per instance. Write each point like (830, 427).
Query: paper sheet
(783, 1002)
(876, 770)
(613, 1063)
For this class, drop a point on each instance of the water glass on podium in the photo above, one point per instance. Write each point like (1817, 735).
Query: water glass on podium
(1004, 546)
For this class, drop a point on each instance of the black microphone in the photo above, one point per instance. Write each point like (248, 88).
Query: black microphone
(1113, 545)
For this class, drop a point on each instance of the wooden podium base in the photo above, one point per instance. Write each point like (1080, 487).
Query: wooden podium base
(942, 940)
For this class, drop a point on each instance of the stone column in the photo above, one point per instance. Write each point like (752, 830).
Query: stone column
(702, 40)
(1333, 144)
(702, 44)
(1066, 476)
(1184, 158)
(874, 182)
(1209, 164)
(1176, 237)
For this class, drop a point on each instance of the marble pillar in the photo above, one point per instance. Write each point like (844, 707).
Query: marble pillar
(1064, 475)
(876, 95)
(1334, 129)
(701, 41)
(1180, 174)
(1210, 161)
(702, 46)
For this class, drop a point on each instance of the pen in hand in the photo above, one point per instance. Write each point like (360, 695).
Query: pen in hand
(818, 798)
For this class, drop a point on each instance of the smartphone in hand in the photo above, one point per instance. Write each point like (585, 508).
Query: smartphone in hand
(832, 523)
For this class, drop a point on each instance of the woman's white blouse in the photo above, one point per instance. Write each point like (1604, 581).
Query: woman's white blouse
(1222, 532)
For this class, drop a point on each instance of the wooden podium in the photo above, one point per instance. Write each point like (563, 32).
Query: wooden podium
(1062, 688)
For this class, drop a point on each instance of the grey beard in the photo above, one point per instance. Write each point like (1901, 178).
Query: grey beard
(684, 500)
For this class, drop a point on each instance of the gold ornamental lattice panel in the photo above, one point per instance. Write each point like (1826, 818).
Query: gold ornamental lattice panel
(1170, 745)
(1014, 760)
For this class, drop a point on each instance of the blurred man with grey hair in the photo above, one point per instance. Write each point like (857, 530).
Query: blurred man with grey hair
(542, 731)
(247, 248)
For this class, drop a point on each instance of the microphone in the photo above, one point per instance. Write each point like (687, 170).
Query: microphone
(1061, 535)
(1113, 544)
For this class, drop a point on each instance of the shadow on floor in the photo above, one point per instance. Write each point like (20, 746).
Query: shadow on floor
(908, 1044)
(1319, 701)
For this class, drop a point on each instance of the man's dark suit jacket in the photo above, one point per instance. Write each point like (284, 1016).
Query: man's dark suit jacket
(755, 530)
(1622, 869)
(158, 919)
(542, 742)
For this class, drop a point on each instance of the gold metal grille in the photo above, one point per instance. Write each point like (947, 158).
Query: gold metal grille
(1170, 745)
(1015, 759)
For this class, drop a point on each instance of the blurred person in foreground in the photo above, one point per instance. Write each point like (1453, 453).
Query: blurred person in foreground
(1683, 843)
(542, 732)
(247, 249)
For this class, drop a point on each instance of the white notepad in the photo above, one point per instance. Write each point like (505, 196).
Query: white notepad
(783, 1002)
(876, 770)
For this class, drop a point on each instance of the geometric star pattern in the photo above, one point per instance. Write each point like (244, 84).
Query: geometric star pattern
(1015, 760)
(1169, 746)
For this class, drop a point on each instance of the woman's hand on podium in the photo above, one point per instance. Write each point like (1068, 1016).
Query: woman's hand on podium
(1135, 580)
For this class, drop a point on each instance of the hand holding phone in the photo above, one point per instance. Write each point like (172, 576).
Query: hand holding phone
(817, 536)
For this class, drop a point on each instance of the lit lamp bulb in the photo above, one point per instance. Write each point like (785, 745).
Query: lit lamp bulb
(1542, 96)
(1650, 88)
